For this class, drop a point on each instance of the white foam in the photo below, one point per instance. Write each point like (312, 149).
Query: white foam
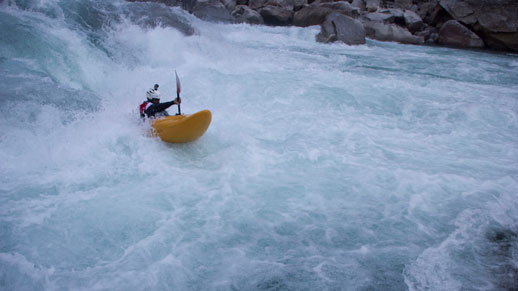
(325, 165)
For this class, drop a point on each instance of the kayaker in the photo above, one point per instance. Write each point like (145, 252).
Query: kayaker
(152, 107)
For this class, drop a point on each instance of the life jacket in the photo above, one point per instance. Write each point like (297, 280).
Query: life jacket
(145, 105)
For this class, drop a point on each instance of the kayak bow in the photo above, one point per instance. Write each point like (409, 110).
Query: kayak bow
(182, 128)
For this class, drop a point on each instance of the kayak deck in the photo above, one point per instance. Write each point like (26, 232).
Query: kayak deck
(182, 128)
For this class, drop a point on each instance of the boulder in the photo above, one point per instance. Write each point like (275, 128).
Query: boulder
(432, 13)
(339, 27)
(387, 15)
(372, 5)
(390, 32)
(502, 41)
(288, 4)
(244, 14)
(413, 22)
(276, 16)
(404, 4)
(455, 34)
(342, 7)
(257, 4)
(316, 14)
(496, 21)
(211, 10)
(460, 10)
(166, 2)
(379, 17)
(229, 4)
(430, 34)
(359, 4)
(311, 15)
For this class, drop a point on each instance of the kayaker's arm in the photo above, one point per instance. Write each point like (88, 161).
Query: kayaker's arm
(155, 108)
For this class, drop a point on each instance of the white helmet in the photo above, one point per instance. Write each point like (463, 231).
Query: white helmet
(153, 94)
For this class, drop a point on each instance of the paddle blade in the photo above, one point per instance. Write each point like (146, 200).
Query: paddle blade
(178, 85)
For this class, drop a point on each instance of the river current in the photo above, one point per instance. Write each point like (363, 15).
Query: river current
(326, 167)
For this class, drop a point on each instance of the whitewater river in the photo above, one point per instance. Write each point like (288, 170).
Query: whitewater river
(326, 167)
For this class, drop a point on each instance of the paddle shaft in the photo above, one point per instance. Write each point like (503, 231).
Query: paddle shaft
(177, 98)
(178, 90)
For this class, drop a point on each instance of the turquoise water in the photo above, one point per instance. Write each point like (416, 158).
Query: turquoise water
(326, 167)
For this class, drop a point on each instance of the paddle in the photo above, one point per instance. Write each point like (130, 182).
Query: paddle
(178, 90)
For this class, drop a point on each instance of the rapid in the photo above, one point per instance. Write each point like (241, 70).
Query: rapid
(326, 167)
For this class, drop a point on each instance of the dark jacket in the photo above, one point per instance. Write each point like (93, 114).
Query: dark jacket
(150, 109)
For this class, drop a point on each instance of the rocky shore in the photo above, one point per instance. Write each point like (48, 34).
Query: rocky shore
(489, 24)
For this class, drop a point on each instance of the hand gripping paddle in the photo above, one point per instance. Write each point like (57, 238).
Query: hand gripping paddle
(178, 90)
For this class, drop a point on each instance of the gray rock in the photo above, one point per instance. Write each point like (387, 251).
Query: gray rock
(379, 17)
(311, 15)
(372, 5)
(339, 27)
(430, 34)
(432, 13)
(404, 4)
(395, 12)
(390, 32)
(229, 4)
(359, 4)
(461, 11)
(244, 14)
(211, 10)
(413, 22)
(299, 4)
(387, 15)
(496, 21)
(288, 4)
(257, 4)
(455, 34)
(276, 16)
(405, 18)
(316, 14)
(342, 7)
(502, 41)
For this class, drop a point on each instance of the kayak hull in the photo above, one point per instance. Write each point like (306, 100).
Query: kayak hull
(182, 128)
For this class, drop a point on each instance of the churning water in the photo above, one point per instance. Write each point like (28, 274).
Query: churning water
(326, 167)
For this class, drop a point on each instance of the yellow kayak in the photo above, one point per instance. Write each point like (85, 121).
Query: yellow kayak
(182, 128)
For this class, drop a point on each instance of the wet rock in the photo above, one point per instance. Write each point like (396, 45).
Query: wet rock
(432, 13)
(413, 22)
(404, 4)
(359, 4)
(166, 2)
(372, 5)
(342, 7)
(229, 4)
(257, 4)
(495, 21)
(455, 34)
(406, 18)
(339, 27)
(390, 32)
(387, 16)
(244, 14)
(211, 10)
(316, 14)
(502, 246)
(311, 15)
(277, 16)
(430, 34)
